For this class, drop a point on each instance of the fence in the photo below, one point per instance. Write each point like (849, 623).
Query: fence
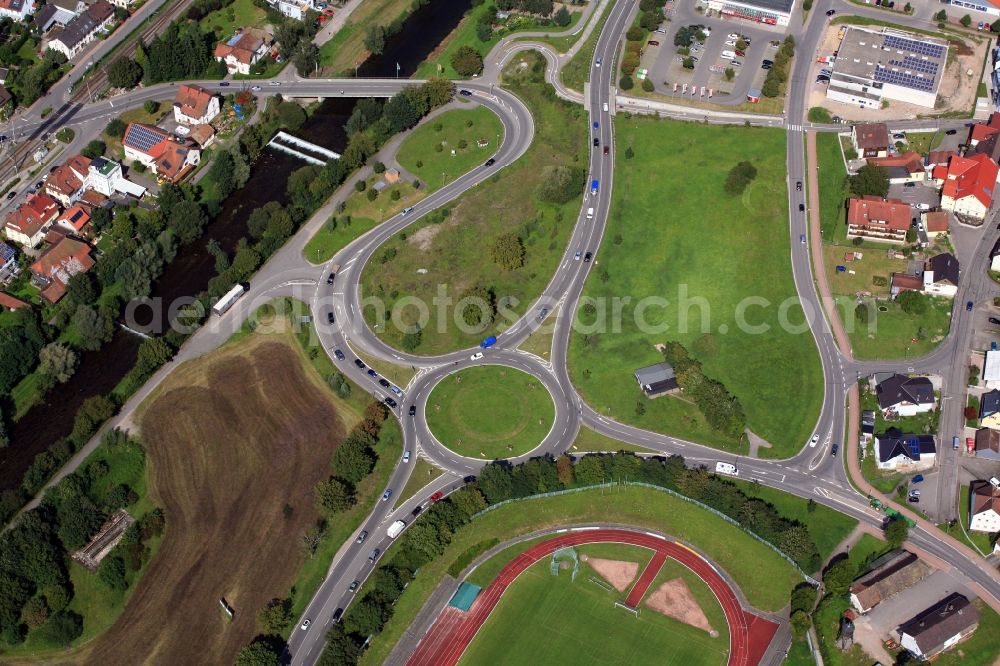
(807, 577)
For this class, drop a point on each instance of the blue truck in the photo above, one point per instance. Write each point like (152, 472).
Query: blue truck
(488, 342)
(593, 187)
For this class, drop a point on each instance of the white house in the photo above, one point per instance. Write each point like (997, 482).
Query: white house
(984, 507)
(991, 369)
(940, 627)
(899, 395)
(893, 450)
(195, 105)
(16, 9)
(169, 159)
(83, 30)
(967, 185)
(243, 49)
(295, 9)
(941, 273)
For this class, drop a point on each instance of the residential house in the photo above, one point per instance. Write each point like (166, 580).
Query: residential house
(878, 220)
(894, 450)
(169, 159)
(984, 507)
(991, 369)
(28, 223)
(988, 444)
(203, 135)
(935, 223)
(75, 220)
(905, 168)
(11, 302)
(900, 395)
(894, 572)
(989, 409)
(8, 258)
(106, 177)
(195, 105)
(83, 29)
(900, 282)
(243, 49)
(57, 265)
(52, 14)
(65, 184)
(939, 158)
(871, 140)
(657, 380)
(124, 4)
(941, 274)
(983, 138)
(295, 9)
(967, 186)
(16, 10)
(943, 625)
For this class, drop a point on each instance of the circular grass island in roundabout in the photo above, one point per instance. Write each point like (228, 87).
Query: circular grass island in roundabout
(490, 412)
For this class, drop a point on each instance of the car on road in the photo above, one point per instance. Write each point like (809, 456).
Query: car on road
(274, 83)
(831, 12)
(597, 63)
(802, 207)
(542, 313)
(338, 354)
(372, 373)
(329, 317)
(605, 150)
(407, 210)
(387, 494)
(814, 441)
(597, 142)
(255, 88)
(416, 510)
(11, 195)
(476, 356)
(413, 410)
(354, 586)
(337, 614)
(224, 84)
(330, 278)
(406, 456)
(436, 497)
(362, 535)
(994, 320)
(490, 162)
(968, 306)
(465, 93)
(798, 186)
(469, 479)
(396, 391)
(596, 125)
(802, 238)
(951, 132)
(587, 257)
(390, 402)
(374, 555)
(909, 184)
(833, 451)
(384, 383)
(899, 136)
(576, 257)
(358, 362)
(305, 624)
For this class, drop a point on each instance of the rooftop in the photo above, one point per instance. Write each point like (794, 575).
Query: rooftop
(949, 617)
(885, 56)
(889, 575)
(872, 135)
(974, 176)
(894, 443)
(874, 212)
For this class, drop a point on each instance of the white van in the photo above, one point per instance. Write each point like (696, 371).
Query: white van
(728, 55)
(590, 213)
(605, 107)
(726, 468)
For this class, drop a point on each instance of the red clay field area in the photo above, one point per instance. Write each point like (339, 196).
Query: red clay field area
(569, 626)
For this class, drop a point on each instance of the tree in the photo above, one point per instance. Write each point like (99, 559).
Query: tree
(111, 572)
(966, 21)
(291, 115)
(353, 460)
(941, 16)
(306, 59)
(478, 308)
(629, 153)
(334, 495)
(861, 313)
(188, 220)
(800, 622)
(636, 34)
(275, 616)
(367, 617)
(467, 61)
(62, 628)
(124, 73)
(341, 649)
(730, 73)
(400, 113)
(375, 39)
(508, 251)
(151, 106)
(115, 128)
(153, 353)
(647, 85)
(221, 173)
(911, 235)
(839, 575)
(561, 184)
(94, 149)
(562, 17)
(626, 83)
(869, 180)
(896, 532)
(261, 651)
(93, 327)
(35, 613)
(908, 8)
(57, 361)
(803, 598)
(912, 302)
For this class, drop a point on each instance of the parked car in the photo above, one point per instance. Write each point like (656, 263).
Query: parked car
(735, 63)
(652, 42)
(741, 54)
(730, 42)
(384, 383)
(913, 499)
(765, 65)
(899, 136)
(11, 194)
(909, 184)
(951, 132)
(390, 402)
(995, 321)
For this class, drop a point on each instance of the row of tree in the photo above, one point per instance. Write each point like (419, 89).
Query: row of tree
(722, 410)
(353, 460)
(35, 553)
(776, 77)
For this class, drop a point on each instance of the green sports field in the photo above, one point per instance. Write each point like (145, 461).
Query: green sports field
(490, 412)
(559, 621)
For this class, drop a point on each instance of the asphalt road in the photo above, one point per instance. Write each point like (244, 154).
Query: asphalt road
(813, 473)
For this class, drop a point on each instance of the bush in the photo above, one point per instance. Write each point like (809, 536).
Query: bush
(739, 177)
(115, 128)
(647, 85)
(625, 83)
(818, 114)
(467, 61)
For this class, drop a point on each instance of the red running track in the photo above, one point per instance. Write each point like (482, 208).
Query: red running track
(645, 579)
(453, 631)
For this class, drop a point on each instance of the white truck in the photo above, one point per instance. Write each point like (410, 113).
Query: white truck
(726, 468)
(396, 529)
(227, 301)
(590, 213)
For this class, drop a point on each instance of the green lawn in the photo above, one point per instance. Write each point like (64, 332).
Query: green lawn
(577, 71)
(346, 48)
(451, 131)
(980, 650)
(223, 23)
(763, 576)
(454, 253)
(439, 62)
(588, 440)
(490, 412)
(826, 526)
(832, 189)
(698, 261)
(884, 481)
(422, 474)
(826, 619)
(332, 238)
(923, 142)
(557, 620)
(895, 334)
(865, 551)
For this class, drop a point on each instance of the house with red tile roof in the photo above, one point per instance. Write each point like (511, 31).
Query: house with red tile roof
(905, 168)
(16, 10)
(195, 105)
(75, 220)
(52, 271)
(900, 282)
(10, 302)
(935, 223)
(66, 182)
(871, 140)
(967, 190)
(876, 219)
(243, 49)
(28, 223)
(168, 158)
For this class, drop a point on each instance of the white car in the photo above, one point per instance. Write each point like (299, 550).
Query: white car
(255, 88)
(597, 63)
(476, 356)
(814, 441)
(305, 624)
(406, 456)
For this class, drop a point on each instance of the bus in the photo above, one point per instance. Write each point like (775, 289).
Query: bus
(726, 468)
(227, 301)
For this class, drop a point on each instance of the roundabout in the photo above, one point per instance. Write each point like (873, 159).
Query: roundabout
(490, 411)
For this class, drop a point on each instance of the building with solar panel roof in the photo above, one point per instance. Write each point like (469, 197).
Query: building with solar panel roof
(873, 65)
(895, 450)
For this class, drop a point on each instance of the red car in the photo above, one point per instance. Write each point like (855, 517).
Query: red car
(436, 497)
(328, 12)
(741, 54)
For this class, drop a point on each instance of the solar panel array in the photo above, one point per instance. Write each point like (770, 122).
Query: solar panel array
(142, 138)
(920, 83)
(913, 444)
(913, 46)
(916, 65)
